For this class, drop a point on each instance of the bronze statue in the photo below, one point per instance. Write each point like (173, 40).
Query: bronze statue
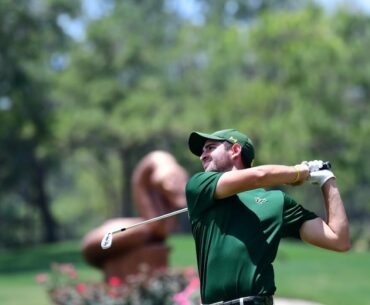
(158, 187)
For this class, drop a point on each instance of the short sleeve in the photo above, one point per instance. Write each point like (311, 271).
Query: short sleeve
(200, 191)
(294, 215)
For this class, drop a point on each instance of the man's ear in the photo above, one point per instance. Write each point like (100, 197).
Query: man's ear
(236, 150)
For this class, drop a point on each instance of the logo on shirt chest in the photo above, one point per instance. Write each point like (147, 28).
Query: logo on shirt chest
(260, 200)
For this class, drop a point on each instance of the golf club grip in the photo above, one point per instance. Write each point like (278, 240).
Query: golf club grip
(326, 165)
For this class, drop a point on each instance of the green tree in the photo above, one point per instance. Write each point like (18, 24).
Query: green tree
(354, 28)
(295, 82)
(226, 12)
(30, 36)
(113, 97)
(307, 70)
(144, 78)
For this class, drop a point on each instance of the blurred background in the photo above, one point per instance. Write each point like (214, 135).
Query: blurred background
(88, 87)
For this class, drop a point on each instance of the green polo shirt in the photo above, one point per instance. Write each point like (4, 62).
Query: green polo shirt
(237, 238)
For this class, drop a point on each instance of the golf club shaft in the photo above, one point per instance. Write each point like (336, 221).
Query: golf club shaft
(151, 220)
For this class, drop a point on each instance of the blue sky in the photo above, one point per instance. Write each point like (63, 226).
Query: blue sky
(361, 4)
(94, 9)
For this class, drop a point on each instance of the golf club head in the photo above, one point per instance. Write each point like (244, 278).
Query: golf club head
(106, 242)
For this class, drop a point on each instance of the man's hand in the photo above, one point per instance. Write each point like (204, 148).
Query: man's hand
(314, 165)
(319, 177)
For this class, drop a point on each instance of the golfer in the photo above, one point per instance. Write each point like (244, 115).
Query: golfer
(237, 225)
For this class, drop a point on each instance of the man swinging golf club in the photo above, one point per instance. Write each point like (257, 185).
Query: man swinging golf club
(237, 225)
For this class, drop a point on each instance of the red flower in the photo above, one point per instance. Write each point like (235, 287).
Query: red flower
(72, 274)
(114, 281)
(67, 268)
(81, 288)
(42, 278)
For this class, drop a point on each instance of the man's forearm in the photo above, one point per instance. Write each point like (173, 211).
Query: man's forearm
(233, 182)
(336, 214)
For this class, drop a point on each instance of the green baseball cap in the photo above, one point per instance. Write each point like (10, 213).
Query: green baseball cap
(198, 139)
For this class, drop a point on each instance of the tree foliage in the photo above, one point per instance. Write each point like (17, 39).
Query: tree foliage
(76, 116)
(29, 37)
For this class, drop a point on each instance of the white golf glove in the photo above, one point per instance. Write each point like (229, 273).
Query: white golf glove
(319, 177)
(314, 165)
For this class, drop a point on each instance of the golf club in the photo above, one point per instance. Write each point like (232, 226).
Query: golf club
(108, 237)
(326, 165)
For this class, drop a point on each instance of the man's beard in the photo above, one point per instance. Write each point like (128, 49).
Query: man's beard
(213, 166)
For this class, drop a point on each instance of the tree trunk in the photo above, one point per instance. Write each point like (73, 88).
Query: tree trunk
(127, 168)
(42, 202)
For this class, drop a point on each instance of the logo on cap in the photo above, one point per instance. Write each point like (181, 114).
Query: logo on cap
(233, 139)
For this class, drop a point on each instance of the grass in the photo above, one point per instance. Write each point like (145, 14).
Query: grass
(323, 276)
(18, 269)
(301, 272)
